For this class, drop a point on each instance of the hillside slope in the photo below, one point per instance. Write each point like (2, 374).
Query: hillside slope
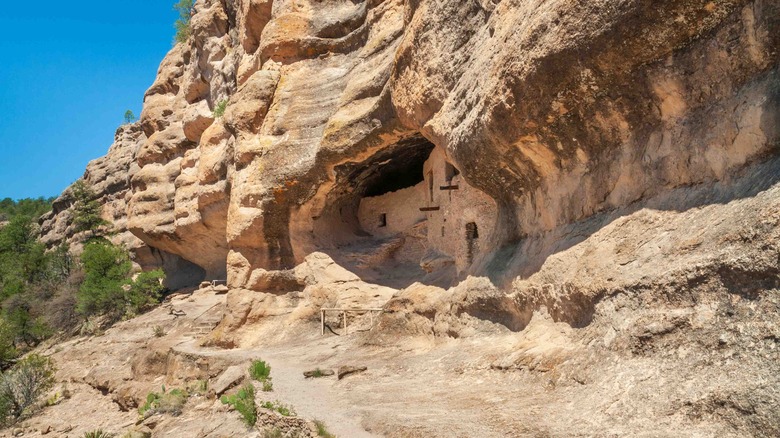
(568, 212)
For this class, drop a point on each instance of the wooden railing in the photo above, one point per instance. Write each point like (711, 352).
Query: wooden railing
(344, 312)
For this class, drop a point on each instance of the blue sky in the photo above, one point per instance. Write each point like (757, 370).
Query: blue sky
(68, 73)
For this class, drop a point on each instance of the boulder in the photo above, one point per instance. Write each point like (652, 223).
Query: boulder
(229, 378)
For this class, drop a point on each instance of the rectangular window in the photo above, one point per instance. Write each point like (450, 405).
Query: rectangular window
(382, 220)
(430, 186)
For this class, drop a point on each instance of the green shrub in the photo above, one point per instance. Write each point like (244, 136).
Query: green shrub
(129, 117)
(17, 235)
(152, 400)
(23, 385)
(25, 329)
(59, 263)
(219, 110)
(259, 370)
(8, 350)
(171, 402)
(279, 407)
(268, 385)
(28, 207)
(244, 402)
(107, 288)
(145, 291)
(182, 24)
(29, 278)
(106, 271)
(322, 430)
(97, 433)
(198, 387)
(86, 208)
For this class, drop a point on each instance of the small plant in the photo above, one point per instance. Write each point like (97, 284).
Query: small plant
(54, 400)
(97, 433)
(279, 407)
(23, 385)
(165, 402)
(259, 370)
(317, 373)
(145, 292)
(159, 332)
(86, 208)
(219, 110)
(198, 387)
(129, 117)
(182, 24)
(151, 402)
(244, 402)
(322, 430)
(172, 402)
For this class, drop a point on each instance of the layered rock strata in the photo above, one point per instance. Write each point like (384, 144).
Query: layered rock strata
(427, 140)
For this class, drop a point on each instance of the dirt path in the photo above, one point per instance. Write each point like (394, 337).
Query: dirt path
(321, 399)
(314, 398)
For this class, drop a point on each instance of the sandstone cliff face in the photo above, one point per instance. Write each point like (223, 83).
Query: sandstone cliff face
(109, 177)
(433, 139)
(585, 194)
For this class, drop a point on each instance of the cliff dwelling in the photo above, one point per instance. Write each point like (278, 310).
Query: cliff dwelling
(405, 214)
(574, 204)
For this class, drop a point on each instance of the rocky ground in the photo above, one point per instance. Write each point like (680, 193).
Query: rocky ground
(707, 370)
(599, 183)
(688, 349)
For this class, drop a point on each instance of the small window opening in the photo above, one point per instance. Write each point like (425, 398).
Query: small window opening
(472, 234)
(430, 186)
(450, 172)
(382, 220)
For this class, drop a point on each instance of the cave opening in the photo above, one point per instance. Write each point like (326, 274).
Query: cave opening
(385, 174)
(395, 175)
(372, 224)
(396, 168)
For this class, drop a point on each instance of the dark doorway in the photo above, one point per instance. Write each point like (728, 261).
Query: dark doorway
(472, 234)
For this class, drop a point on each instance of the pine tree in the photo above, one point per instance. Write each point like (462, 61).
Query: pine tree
(86, 209)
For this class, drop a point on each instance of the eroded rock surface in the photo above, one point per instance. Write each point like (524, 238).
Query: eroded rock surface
(422, 136)
(585, 195)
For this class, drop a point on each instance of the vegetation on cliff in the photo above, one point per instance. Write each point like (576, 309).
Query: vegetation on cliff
(43, 292)
(108, 289)
(23, 385)
(28, 207)
(86, 208)
(182, 24)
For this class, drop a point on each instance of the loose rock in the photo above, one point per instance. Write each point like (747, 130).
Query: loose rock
(344, 371)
